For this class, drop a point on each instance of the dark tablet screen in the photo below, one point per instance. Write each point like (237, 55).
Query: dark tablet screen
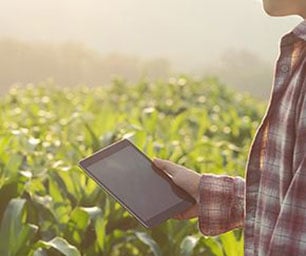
(130, 177)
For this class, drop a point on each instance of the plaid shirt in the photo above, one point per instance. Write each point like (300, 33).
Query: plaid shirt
(271, 203)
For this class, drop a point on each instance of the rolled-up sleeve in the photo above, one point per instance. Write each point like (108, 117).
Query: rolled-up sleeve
(221, 203)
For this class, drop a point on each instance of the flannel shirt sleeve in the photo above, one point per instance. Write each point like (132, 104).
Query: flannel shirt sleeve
(221, 205)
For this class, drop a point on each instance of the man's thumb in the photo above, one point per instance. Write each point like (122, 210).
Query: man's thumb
(165, 166)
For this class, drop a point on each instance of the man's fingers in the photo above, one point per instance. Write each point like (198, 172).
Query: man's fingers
(187, 214)
(166, 166)
(178, 217)
(186, 179)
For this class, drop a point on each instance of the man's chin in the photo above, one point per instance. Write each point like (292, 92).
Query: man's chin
(274, 13)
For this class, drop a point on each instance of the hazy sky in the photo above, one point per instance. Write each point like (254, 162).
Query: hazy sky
(188, 32)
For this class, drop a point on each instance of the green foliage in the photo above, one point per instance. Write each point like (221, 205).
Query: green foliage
(49, 207)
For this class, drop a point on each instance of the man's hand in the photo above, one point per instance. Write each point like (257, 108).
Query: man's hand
(187, 179)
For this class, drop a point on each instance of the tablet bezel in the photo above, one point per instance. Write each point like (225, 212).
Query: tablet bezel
(187, 202)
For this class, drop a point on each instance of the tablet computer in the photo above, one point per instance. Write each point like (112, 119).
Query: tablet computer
(129, 176)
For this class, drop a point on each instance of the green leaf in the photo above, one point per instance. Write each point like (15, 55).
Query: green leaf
(14, 234)
(232, 246)
(188, 244)
(7, 192)
(100, 222)
(146, 239)
(214, 246)
(11, 226)
(40, 252)
(77, 225)
(14, 163)
(61, 245)
(93, 212)
(80, 218)
(100, 227)
(94, 138)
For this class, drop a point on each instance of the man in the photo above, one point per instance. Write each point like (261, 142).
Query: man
(270, 204)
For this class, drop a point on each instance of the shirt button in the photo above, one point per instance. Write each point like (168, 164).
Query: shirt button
(284, 68)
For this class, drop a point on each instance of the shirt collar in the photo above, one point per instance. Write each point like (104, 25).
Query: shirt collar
(300, 30)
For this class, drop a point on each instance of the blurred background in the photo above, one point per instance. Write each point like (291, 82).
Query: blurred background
(91, 42)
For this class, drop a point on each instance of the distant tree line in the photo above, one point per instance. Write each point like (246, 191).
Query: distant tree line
(71, 64)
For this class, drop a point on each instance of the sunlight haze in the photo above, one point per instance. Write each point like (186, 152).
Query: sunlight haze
(193, 35)
(190, 31)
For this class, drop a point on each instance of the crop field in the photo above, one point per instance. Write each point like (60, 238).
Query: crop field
(48, 206)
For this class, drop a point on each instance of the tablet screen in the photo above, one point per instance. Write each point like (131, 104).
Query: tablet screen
(129, 176)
